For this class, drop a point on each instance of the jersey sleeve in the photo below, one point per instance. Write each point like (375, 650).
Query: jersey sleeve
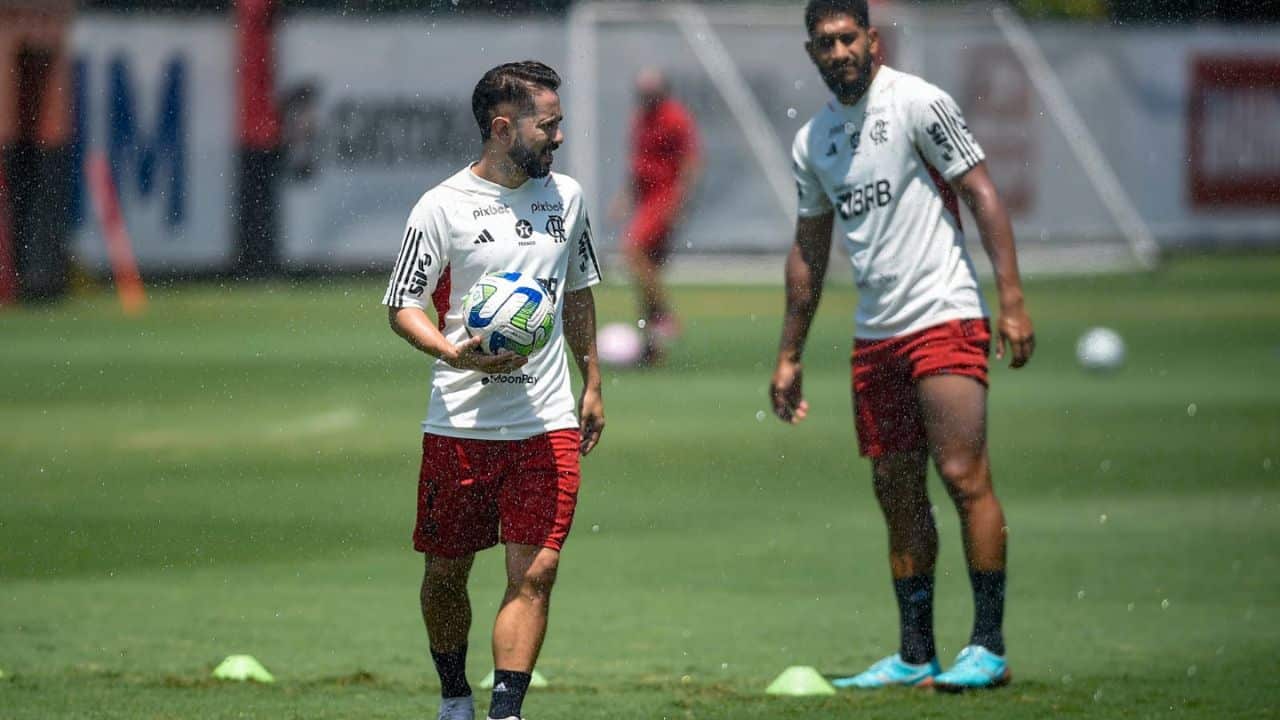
(420, 263)
(813, 200)
(940, 133)
(584, 268)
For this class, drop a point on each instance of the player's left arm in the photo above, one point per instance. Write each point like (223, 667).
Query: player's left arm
(690, 169)
(1014, 325)
(580, 333)
(691, 163)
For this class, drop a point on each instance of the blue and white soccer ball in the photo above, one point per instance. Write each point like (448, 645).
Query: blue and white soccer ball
(1100, 349)
(510, 312)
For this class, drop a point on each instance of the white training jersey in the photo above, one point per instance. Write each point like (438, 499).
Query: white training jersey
(467, 227)
(882, 166)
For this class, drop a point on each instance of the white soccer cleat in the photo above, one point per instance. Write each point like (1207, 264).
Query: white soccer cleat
(459, 708)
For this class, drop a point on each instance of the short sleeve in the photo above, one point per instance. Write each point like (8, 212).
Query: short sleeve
(584, 268)
(813, 200)
(940, 133)
(419, 264)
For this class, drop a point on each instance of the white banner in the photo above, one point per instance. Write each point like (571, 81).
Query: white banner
(157, 97)
(376, 113)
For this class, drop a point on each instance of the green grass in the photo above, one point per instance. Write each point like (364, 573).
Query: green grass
(235, 471)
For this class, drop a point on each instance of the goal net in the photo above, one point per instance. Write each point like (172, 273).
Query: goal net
(743, 73)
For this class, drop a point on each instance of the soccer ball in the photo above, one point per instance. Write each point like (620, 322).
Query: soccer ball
(1100, 349)
(510, 312)
(619, 344)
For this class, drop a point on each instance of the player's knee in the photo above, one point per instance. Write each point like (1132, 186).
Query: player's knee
(443, 577)
(538, 579)
(962, 470)
(966, 480)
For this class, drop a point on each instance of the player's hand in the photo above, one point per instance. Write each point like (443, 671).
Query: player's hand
(785, 392)
(1016, 332)
(467, 356)
(591, 414)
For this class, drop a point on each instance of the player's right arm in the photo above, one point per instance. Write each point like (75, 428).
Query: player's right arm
(418, 330)
(419, 264)
(806, 269)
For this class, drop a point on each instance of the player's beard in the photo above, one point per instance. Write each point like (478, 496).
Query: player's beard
(534, 163)
(849, 89)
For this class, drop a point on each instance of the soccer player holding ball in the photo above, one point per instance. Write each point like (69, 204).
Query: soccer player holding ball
(501, 439)
(882, 164)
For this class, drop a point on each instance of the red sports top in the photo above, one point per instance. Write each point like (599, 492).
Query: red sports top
(661, 140)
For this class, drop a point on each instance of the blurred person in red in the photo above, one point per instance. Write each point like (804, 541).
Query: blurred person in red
(664, 165)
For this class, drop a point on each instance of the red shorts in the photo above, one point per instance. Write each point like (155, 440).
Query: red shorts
(652, 223)
(885, 406)
(473, 493)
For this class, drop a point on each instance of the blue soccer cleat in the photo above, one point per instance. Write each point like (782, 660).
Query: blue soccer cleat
(892, 671)
(459, 708)
(976, 668)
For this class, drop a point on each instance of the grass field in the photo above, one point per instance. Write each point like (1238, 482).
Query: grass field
(235, 472)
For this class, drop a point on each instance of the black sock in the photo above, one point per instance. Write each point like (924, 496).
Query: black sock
(509, 688)
(915, 616)
(452, 668)
(988, 609)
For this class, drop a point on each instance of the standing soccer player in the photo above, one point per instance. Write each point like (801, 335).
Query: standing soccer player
(501, 441)
(883, 163)
(665, 164)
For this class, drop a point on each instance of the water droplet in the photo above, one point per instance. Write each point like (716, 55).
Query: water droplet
(1102, 519)
(1080, 595)
(1130, 608)
(759, 416)
(791, 113)
(1164, 604)
(640, 323)
(595, 528)
(1191, 410)
(724, 666)
(686, 679)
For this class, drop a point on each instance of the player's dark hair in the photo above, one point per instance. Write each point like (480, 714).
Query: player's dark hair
(818, 10)
(510, 83)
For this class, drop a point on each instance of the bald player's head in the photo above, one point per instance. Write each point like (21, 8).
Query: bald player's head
(651, 87)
